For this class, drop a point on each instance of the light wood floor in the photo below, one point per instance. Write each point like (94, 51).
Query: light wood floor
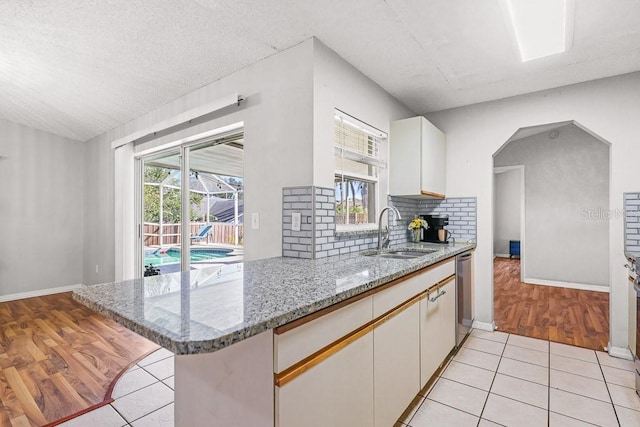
(58, 358)
(568, 316)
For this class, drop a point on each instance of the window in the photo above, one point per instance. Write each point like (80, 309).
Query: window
(357, 167)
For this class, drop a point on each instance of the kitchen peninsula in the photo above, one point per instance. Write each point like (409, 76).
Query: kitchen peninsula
(248, 335)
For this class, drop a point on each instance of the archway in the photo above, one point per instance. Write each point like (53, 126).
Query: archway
(556, 285)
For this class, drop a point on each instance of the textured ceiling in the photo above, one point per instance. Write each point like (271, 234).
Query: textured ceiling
(78, 69)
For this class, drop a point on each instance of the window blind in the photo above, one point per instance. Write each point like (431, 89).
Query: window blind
(357, 144)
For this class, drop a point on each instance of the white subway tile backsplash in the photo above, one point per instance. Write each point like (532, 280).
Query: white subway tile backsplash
(632, 223)
(317, 237)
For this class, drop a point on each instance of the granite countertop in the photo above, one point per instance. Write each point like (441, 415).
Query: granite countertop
(205, 310)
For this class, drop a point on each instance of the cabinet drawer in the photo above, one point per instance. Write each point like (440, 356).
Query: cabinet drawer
(294, 345)
(337, 392)
(391, 297)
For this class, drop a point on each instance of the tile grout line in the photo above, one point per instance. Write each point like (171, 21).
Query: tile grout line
(606, 384)
(147, 386)
(452, 407)
(155, 410)
(156, 377)
(549, 387)
(118, 412)
(492, 381)
(131, 392)
(573, 418)
(600, 365)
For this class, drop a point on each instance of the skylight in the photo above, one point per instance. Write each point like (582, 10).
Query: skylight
(540, 27)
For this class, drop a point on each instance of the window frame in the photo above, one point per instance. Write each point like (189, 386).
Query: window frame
(380, 139)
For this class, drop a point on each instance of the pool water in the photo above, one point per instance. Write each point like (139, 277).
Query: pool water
(172, 255)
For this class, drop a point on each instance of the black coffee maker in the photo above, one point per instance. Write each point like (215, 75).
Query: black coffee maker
(436, 233)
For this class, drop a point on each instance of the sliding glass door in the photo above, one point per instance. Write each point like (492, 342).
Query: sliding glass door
(162, 213)
(192, 206)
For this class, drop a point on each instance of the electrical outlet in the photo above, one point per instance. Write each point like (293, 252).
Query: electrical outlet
(97, 269)
(255, 221)
(296, 219)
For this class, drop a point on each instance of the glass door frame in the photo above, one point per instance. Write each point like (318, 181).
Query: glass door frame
(184, 151)
(185, 235)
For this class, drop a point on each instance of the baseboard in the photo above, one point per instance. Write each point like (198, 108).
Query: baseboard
(620, 352)
(501, 256)
(39, 293)
(581, 286)
(484, 326)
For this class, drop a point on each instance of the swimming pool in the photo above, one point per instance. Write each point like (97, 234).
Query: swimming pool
(172, 255)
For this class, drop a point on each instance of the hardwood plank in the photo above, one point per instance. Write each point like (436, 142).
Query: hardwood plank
(23, 396)
(569, 316)
(21, 421)
(59, 358)
(70, 393)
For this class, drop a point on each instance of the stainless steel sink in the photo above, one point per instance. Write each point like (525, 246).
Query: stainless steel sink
(399, 254)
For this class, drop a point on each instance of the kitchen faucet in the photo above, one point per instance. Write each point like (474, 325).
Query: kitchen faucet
(396, 215)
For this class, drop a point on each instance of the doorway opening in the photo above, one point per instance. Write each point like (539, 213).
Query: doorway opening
(192, 203)
(551, 248)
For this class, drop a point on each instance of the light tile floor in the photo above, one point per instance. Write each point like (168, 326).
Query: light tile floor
(502, 379)
(143, 397)
(495, 379)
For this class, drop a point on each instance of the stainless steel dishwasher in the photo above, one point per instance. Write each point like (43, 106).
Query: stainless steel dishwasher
(464, 295)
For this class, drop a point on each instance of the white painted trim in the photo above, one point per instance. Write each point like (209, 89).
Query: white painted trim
(178, 119)
(501, 256)
(39, 293)
(571, 285)
(523, 213)
(484, 326)
(620, 352)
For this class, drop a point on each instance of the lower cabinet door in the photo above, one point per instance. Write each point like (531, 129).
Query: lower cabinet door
(396, 361)
(448, 318)
(430, 335)
(336, 392)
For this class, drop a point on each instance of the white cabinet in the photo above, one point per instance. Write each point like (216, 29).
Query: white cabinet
(336, 392)
(302, 341)
(396, 357)
(362, 363)
(437, 327)
(417, 159)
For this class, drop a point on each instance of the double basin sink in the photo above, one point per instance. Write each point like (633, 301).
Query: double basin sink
(399, 253)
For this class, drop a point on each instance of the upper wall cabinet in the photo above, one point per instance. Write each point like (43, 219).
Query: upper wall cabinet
(417, 159)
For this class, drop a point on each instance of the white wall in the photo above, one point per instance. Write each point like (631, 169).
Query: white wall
(99, 232)
(41, 210)
(566, 178)
(507, 210)
(277, 116)
(288, 122)
(337, 84)
(609, 107)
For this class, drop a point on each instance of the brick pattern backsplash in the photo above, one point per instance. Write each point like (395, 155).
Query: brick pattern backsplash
(462, 213)
(297, 244)
(408, 208)
(317, 237)
(328, 242)
(632, 222)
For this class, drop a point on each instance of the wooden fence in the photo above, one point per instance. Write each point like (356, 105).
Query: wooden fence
(221, 232)
(354, 218)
